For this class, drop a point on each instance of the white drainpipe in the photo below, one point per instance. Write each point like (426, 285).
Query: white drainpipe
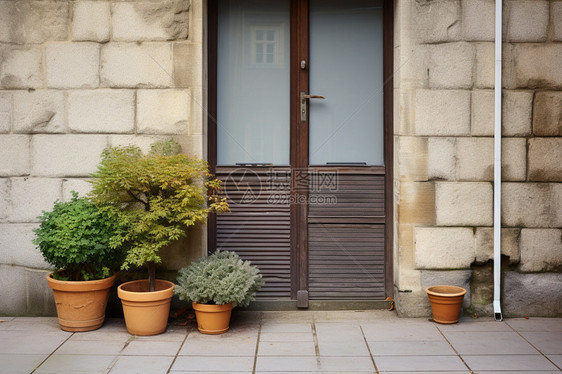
(497, 162)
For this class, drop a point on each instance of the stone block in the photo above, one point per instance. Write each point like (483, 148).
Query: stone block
(145, 20)
(538, 65)
(547, 114)
(478, 20)
(417, 203)
(484, 244)
(536, 205)
(444, 248)
(556, 14)
(411, 304)
(535, 295)
(541, 250)
(39, 112)
(5, 203)
(508, 69)
(82, 186)
(516, 113)
(66, 155)
(196, 28)
(459, 278)
(33, 22)
(527, 21)
(15, 155)
(438, 22)
(91, 21)
(193, 145)
(482, 287)
(16, 247)
(5, 112)
(485, 65)
(441, 158)
(475, 159)
(517, 109)
(132, 65)
(514, 159)
(451, 65)
(163, 111)
(30, 196)
(40, 299)
(13, 290)
(545, 159)
(413, 158)
(101, 111)
(74, 65)
(21, 67)
(414, 62)
(188, 65)
(464, 204)
(482, 113)
(442, 112)
(197, 111)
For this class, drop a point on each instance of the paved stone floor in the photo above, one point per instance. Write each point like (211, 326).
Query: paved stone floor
(289, 342)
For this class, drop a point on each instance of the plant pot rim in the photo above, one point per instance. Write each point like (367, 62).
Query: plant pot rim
(91, 284)
(166, 292)
(213, 307)
(445, 291)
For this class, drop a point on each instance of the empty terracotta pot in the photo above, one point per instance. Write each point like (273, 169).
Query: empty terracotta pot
(446, 302)
(212, 319)
(81, 304)
(146, 313)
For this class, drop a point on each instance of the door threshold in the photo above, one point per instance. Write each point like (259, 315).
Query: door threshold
(275, 305)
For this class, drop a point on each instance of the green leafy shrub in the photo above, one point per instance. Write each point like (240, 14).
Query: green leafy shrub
(75, 237)
(156, 196)
(221, 278)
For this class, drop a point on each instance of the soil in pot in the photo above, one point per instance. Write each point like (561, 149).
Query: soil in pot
(446, 302)
(213, 319)
(146, 313)
(81, 304)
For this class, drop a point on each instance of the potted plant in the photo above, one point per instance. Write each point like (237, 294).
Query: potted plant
(215, 284)
(446, 303)
(156, 196)
(76, 238)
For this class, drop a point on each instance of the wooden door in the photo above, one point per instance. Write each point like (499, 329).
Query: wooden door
(308, 178)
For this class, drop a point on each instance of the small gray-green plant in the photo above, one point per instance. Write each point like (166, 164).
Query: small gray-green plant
(76, 238)
(221, 278)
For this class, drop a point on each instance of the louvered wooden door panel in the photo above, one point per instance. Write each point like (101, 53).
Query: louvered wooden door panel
(258, 225)
(346, 237)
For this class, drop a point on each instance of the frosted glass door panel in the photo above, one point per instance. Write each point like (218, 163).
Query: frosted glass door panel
(253, 82)
(346, 67)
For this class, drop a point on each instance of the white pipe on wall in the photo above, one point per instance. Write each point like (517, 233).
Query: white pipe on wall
(497, 162)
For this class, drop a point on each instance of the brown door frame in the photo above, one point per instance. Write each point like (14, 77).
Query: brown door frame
(299, 144)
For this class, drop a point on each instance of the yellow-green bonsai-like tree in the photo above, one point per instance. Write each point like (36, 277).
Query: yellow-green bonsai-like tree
(156, 196)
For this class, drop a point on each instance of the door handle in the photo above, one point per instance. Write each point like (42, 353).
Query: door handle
(304, 97)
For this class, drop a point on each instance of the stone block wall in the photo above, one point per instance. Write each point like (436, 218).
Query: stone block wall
(444, 160)
(76, 77)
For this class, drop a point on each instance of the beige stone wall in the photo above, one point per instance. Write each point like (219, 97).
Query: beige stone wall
(444, 127)
(75, 77)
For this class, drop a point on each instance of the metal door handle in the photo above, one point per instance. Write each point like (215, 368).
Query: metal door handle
(312, 97)
(304, 97)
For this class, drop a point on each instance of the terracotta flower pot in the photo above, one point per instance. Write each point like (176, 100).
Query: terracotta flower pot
(446, 302)
(146, 313)
(213, 319)
(81, 304)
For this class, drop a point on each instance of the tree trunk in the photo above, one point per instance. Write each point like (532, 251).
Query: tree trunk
(152, 275)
